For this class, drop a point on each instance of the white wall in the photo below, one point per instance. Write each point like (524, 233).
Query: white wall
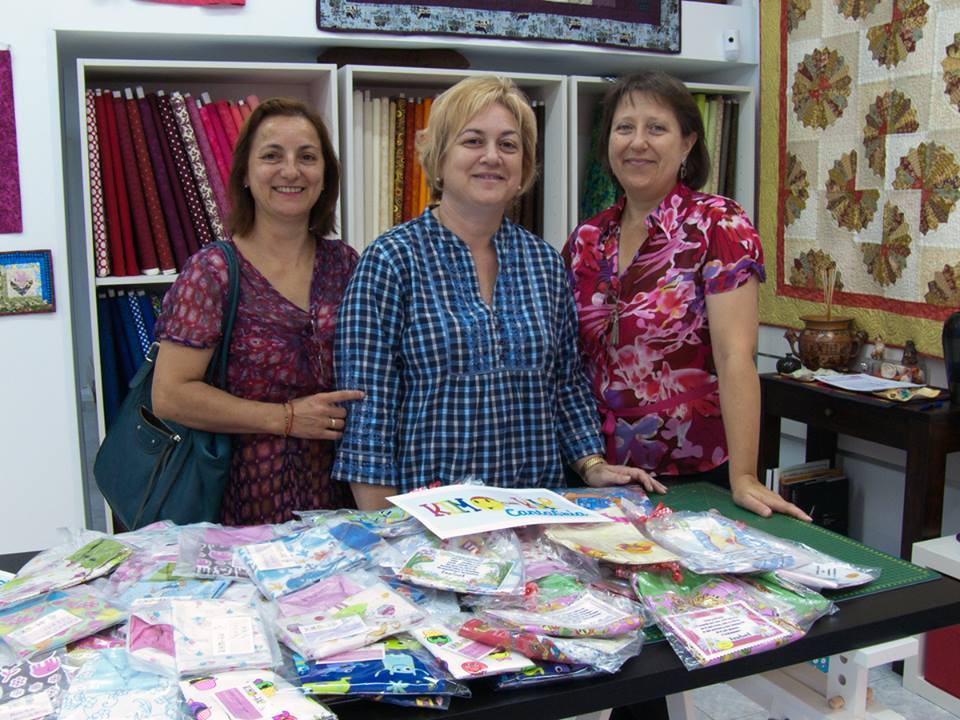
(40, 475)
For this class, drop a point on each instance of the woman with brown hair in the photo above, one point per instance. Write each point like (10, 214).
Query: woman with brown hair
(280, 404)
(666, 285)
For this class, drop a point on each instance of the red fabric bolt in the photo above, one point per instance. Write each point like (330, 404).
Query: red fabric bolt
(168, 203)
(143, 237)
(177, 180)
(158, 229)
(204, 164)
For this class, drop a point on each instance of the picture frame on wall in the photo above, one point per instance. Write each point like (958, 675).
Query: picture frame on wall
(26, 282)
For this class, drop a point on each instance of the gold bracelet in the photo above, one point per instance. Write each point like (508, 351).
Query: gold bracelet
(590, 462)
(287, 418)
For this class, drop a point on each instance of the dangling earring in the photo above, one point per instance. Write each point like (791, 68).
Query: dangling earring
(683, 169)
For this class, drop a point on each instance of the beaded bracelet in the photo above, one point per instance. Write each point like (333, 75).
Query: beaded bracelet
(589, 463)
(287, 418)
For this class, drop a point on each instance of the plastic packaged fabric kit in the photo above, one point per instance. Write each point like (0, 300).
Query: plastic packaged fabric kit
(32, 689)
(627, 497)
(535, 647)
(150, 565)
(561, 605)
(323, 594)
(544, 673)
(464, 658)
(108, 686)
(191, 637)
(59, 618)
(398, 666)
(426, 702)
(709, 543)
(485, 564)
(825, 572)
(186, 589)
(606, 655)
(712, 619)
(249, 695)
(86, 556)
(617, 542)
(359, 619)
(281, 566)
(387, 523)
(207, 550)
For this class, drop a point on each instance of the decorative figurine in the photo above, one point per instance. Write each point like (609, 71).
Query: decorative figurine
(788, 364)
(878, 348)
(910, 356)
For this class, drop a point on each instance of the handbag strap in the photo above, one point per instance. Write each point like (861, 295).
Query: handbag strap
(216, 374)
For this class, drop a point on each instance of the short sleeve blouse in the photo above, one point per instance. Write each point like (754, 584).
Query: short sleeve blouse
(656, 385)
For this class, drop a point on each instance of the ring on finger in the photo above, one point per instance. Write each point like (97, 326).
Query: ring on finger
(333, 423)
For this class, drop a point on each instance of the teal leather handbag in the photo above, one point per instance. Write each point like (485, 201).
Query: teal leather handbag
(150, 469)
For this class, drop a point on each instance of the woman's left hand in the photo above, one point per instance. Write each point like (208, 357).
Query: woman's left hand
(605, 475)
(750, 494)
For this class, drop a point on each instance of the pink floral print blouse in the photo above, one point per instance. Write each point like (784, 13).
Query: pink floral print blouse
(645, 335)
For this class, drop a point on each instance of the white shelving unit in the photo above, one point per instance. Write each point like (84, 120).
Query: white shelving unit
(231, 62)
(587, 92)
(417, 82)
(943, 555)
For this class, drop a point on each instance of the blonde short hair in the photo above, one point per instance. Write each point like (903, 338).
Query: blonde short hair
(456, 106)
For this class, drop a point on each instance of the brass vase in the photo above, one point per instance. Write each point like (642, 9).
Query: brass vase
(826, 343)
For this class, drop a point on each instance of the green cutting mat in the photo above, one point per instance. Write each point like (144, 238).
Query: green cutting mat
(894, 572)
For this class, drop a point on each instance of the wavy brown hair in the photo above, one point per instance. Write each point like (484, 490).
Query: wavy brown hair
(324, 210)
(668, 91)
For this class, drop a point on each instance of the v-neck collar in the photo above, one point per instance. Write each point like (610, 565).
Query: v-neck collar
(262, 279)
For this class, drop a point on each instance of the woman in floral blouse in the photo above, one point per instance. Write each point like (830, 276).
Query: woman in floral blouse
(666, 285)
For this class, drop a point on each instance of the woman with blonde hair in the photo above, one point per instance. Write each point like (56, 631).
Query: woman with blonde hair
(460, 328)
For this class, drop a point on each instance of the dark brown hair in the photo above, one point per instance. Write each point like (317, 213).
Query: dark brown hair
(243, 214)
(669, 91)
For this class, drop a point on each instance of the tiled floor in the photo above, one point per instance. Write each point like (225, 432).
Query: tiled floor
(721, 702)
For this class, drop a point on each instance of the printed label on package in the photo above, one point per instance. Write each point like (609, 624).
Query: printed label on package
(714, 633)
(585, 612)
(334, 628)
(272, 556)
(44, 628)
(231, 636)
(29, 707)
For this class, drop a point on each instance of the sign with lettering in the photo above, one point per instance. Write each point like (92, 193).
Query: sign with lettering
(455, 510)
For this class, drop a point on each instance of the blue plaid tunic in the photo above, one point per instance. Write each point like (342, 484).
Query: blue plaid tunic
(456, 389)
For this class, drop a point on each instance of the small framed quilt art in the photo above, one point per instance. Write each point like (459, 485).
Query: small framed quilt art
(26, 282)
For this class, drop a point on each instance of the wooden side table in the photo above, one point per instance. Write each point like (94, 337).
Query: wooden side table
(927, 435)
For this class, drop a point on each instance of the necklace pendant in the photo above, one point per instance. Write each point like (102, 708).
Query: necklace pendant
(614, 335)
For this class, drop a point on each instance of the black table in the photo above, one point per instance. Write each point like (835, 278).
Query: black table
(657, 672)
(927, 435)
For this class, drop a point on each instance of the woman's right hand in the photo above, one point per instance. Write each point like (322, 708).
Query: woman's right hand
(319, 416)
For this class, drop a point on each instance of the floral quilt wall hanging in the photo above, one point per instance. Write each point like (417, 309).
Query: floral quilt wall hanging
(652, 25)
(861, 109)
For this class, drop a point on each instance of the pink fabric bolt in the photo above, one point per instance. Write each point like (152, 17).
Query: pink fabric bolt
(11, 212)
